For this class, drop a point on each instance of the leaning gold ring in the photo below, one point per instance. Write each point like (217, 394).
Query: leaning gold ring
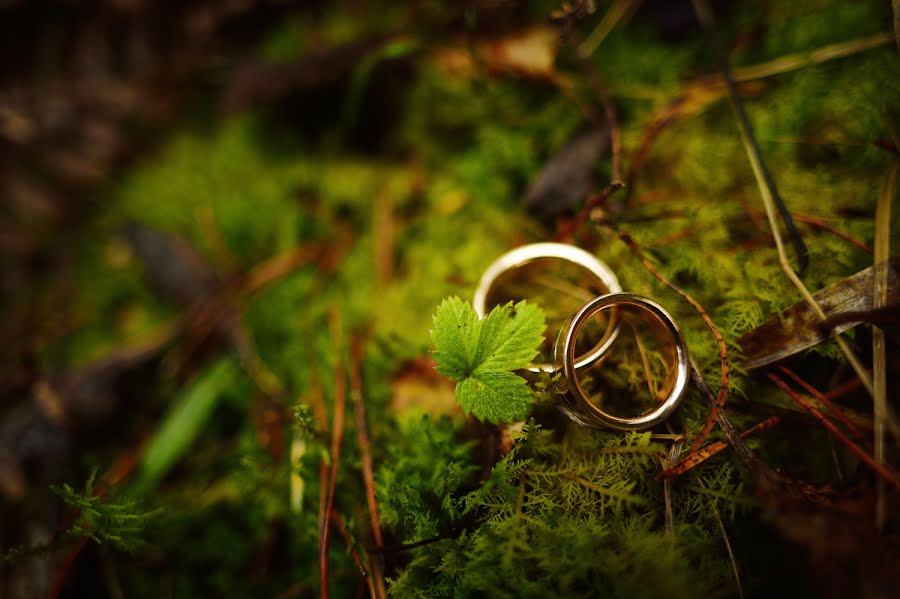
(525, 254)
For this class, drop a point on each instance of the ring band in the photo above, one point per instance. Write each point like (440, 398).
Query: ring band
(586, 412)
(521, 256)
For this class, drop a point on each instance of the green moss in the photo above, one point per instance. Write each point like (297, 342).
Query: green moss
(570, 512)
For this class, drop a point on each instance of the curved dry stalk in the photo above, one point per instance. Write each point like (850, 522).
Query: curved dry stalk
(769, 204)
(792, 62)
(629, 241)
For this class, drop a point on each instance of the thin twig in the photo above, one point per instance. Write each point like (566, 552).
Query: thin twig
(864, 457)
(323, 498)
(362, 431)
(879, 364)
(337, 435)
(753, 463)
(836, 411)
(818, 223)
(280, 265)
(629, 241)
(362, 434)
(338, 523)
(692, 460)
(734, 567)
(843, 389)
(615, 131)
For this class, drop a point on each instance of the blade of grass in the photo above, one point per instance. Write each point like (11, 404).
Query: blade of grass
(879, 364)
(618, 10)
(792, 62)
(182, 424)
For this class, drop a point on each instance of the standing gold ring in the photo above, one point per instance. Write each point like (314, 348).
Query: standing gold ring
(586, 412)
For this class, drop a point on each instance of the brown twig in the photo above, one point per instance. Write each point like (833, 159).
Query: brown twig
(692, 460)
(362, 433)
(568, 229)
(337, 436)
(323, 497)
(754, 464)
(836, 411)
(818, 223)
(615, 131)
(280, 265)
(338, 522)
(629, 241)
(864, 457)
(843, 389)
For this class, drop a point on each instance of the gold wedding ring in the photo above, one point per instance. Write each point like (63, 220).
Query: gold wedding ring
(587, 412)
(604, 294)
(522, 256)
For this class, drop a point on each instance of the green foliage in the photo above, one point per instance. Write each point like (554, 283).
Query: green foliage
(575, 518)
(114, 521)
(420, 483)
(568, 512)
(479, 355)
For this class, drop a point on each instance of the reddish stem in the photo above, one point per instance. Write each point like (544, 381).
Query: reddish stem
(866, 459)
(836, 411)
(337, 435)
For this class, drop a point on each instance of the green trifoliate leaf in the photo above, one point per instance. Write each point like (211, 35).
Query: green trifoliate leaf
(510, 336)
(495, 396)
(480, 355)
(455, 335)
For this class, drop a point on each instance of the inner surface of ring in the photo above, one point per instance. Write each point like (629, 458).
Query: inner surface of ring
(638, 372)
(559, 287)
